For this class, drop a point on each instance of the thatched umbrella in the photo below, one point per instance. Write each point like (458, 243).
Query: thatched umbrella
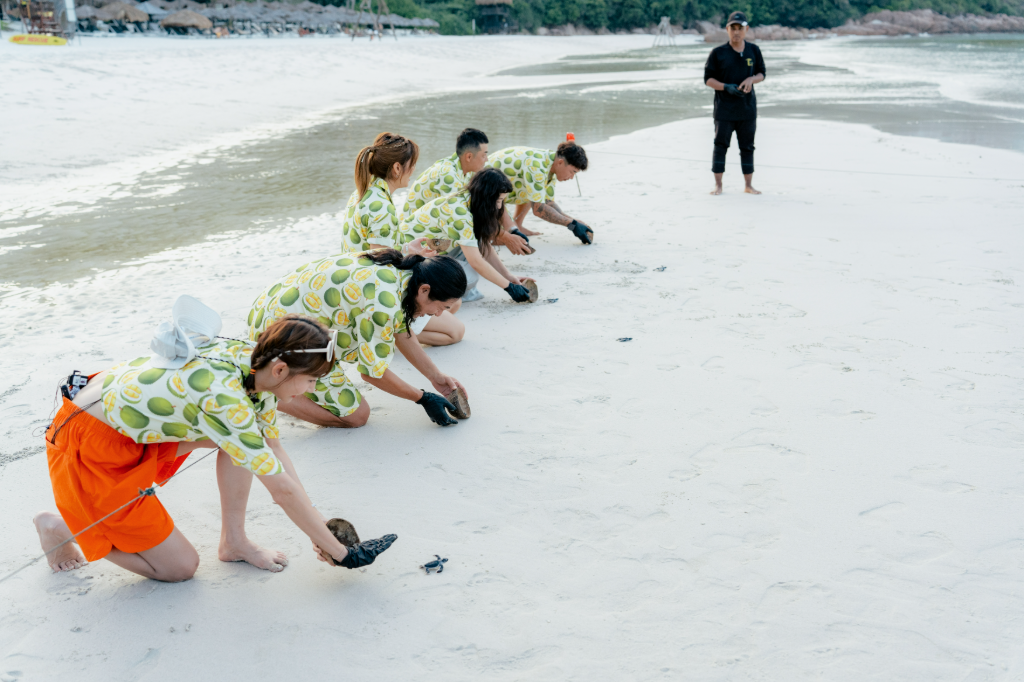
(154, 11)
(86, 12)
(120, 11)
(186, 19)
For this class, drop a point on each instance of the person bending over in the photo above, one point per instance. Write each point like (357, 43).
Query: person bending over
(531, 172)
(471, 221)
(450, 175)
(371, 219)
(731, 71)
(136, 423)
(368, 298)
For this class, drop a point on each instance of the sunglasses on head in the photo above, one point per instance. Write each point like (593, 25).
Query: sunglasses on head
(329, 350)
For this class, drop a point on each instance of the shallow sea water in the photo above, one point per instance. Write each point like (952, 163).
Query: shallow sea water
(951, 88)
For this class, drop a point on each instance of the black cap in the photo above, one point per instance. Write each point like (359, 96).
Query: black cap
(737, 18)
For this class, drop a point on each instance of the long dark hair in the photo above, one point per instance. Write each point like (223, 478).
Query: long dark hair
(292, 332)
(377, 159)
(445, 276)
(483, 189)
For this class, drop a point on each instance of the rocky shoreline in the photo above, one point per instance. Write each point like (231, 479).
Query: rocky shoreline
(883, 23)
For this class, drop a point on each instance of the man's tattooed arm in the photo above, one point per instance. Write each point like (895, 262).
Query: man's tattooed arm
(549, 213)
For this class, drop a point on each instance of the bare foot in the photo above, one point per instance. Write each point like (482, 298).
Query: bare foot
(251, 553)
(53, 531)
(750, 190)
(716, 191)
(528, 232)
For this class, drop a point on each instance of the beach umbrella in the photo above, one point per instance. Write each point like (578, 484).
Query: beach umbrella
(186, 19)
(120, 11)
(86, 12)
(243, 13)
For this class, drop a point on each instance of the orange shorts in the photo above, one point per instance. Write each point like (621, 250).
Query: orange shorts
(95, 470)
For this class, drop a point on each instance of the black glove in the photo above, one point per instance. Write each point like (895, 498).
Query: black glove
(733, 90)
(518, 292)
(520, 234)
(435, 406)
(582, 232)
(365, 552)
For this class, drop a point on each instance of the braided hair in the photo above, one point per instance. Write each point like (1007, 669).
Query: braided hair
(280, 341)
(444, 275)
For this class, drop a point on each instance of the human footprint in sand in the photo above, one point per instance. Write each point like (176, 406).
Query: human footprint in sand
(136, 423)
(531, 172)
(731, 71)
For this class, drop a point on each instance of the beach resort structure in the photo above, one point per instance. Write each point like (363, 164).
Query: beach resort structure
(184, 17)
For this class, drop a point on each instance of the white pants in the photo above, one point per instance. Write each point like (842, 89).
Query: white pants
(472, 277)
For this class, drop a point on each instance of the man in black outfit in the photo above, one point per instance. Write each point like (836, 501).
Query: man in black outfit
(731, 71)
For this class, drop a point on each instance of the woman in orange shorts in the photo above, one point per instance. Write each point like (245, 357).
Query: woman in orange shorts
(134, 425)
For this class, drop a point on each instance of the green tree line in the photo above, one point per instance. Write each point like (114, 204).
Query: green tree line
(455, 15)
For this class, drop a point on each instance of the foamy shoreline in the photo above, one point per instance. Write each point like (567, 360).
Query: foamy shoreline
(96, 114)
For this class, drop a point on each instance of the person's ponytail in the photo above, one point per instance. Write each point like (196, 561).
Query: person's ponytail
(379, 158)
(363, 171)
(445, 276)
(280, 341)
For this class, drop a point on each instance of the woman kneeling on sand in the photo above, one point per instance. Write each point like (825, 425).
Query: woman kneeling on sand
(137, 422)
(370, 299)
(466, 224)
(371, 219)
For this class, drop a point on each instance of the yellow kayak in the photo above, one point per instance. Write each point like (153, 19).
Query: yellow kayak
(33, 39)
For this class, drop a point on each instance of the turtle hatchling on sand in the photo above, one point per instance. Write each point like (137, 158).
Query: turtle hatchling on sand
(436, 565)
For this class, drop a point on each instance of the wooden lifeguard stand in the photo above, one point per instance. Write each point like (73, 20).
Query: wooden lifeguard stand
(492, 15)
(663, 34)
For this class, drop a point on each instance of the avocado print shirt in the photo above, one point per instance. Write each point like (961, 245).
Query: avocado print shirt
(530, 173)
(442, 218)
(443, 178)
(352, 294)
(203, 399)
(370, 222)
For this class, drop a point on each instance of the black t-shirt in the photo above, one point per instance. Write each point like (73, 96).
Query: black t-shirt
(726, 65)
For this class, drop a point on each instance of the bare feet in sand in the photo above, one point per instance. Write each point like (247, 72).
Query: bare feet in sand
(528, 232)
(251, 553)
(750, 190)
(717, 190)
(53, 531)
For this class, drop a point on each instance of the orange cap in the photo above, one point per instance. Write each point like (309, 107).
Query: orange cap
(570, 137)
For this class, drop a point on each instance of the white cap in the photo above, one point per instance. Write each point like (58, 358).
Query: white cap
(174, 342)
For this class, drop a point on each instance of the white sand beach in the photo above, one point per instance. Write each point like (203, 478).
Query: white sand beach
(804, 464)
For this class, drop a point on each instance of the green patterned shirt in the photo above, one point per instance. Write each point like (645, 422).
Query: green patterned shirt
(443, 178)
(203, 399)
(446, 217)
(347, 292)
(530, 173)
(370, 222)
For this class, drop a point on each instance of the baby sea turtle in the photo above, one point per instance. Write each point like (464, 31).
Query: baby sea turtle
(436, 565)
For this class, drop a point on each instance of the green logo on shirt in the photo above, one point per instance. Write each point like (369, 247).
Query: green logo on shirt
(750, 62)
